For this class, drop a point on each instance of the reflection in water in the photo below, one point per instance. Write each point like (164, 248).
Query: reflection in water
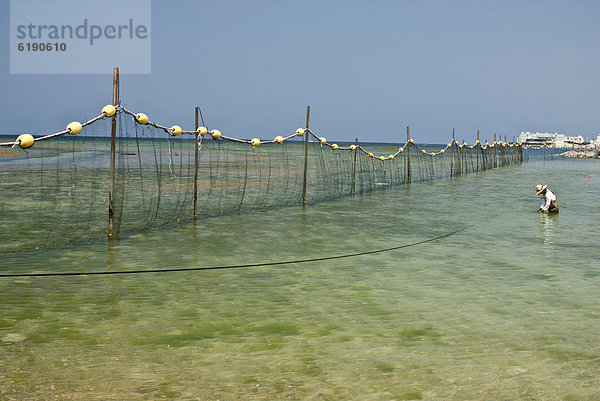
(545, 230)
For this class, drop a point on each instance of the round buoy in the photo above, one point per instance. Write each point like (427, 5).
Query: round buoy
(255, 142)
(334, 146)
(322, 140)
(390, 157)
(300, 131)
(109, 110)
(175, 130)
(74, 128)
(279, 139)
(25, 141)
(141, 118)
(216, 134)
(352, 147)
(202, 131)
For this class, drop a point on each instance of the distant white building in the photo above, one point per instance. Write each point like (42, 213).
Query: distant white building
(555, 139)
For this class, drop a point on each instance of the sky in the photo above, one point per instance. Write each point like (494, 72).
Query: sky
(368, 69)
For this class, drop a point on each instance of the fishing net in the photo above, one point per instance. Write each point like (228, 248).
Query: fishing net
(56, 190)
(541, 153)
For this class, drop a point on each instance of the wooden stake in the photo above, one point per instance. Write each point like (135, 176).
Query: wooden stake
(462, 156)
(477, 144)
(113, 143)
(452, 158)
(408, 177)
(496, 151)
(196, 164)
(305, 156)
(354, 167)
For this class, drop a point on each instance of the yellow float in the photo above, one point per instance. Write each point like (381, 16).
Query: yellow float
(74, 127)
(25, 141)
(175, 130)
(141, 118)
(109, 110)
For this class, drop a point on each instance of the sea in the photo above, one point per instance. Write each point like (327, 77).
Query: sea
(451, 289)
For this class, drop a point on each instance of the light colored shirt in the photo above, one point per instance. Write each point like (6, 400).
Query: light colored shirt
(547, 197)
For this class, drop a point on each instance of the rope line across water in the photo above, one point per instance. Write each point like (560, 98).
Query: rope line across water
(186, 269)
(26, 140)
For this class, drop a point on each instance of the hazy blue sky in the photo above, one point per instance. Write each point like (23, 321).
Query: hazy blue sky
(367, 68)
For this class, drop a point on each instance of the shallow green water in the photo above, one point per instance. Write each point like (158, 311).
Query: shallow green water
(505, 309)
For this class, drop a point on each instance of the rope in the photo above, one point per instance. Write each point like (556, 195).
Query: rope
(187, 269)
(121, 109)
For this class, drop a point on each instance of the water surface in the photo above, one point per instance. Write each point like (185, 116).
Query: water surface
(504, 309)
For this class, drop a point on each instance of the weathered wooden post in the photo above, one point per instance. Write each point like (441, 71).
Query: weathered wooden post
(477, 151)
(408, 178)
(305, 156)
(354, 167)
(113, 144)
(496, 151)
(452, 155)
(463, 164)
(196, 163)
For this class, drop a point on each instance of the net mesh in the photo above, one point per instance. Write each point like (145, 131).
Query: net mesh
(61, 185)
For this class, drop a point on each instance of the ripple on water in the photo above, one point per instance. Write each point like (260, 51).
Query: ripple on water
(505, 309)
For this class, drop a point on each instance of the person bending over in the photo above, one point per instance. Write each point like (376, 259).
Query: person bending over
(549, 203)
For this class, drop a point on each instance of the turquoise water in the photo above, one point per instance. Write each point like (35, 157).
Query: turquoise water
(505, 309)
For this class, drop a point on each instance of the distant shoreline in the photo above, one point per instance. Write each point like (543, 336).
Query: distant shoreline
(580, 154)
